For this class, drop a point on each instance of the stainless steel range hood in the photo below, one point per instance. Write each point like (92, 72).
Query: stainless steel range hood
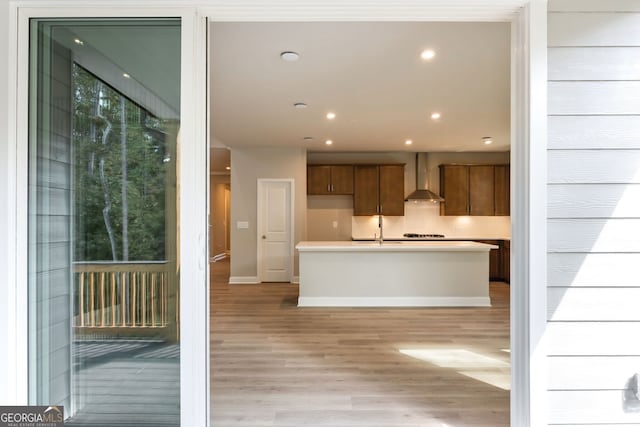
(423, 194)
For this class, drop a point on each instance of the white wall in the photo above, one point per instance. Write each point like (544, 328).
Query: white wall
(593, 211)
(247, 166)
(324, 211)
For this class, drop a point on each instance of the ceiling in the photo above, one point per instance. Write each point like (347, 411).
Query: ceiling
(145, 49)
(371, 76)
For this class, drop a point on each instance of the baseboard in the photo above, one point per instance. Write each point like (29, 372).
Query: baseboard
(394, 302)
(243, 280)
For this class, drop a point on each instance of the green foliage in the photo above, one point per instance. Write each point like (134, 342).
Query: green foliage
(96, 106)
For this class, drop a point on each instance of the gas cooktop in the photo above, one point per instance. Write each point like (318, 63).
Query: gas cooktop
(423, 236)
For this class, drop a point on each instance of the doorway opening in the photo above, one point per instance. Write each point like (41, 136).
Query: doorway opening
(220, 200)
(302, 118)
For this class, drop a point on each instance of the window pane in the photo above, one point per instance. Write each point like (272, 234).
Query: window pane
(103, 272)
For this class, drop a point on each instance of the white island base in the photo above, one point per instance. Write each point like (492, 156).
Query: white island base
(394, 274)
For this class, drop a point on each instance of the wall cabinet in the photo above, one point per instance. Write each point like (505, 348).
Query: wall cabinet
(480, 190)
(330, 179)
(502, 185)
(378, 189)
(454, 188)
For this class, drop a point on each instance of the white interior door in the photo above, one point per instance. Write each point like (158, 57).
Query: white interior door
(274, 230)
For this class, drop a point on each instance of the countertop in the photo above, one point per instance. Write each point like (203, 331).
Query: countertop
(429, 239)
(408, 245)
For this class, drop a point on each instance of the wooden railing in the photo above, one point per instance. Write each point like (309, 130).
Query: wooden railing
(116, 296)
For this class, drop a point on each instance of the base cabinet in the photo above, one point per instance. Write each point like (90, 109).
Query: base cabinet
(499, 260)
(495, 259)
(506, 261)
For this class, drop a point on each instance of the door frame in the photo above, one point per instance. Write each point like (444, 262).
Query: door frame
(528, 190)
(528, 157)
(193, 183)
(262, 182)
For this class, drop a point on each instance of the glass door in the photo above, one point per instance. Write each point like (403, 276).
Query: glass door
(103, 262)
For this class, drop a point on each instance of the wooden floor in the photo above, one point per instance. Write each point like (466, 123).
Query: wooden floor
(274, 364)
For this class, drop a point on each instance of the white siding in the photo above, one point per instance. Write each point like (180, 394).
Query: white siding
(593, 211)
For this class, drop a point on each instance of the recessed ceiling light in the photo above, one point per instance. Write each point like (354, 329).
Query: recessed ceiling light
(126, 76)
(408, 142)
(289, 56)
(300, 105)
(328, 142)
(228, 168)
(487, 140)
(331, 116)
(436, 116)
(427, 54)
(78, 41)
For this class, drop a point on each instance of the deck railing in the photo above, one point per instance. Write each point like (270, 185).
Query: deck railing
(121, 295)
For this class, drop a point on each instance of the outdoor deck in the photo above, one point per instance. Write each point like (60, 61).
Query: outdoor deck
(126, 384)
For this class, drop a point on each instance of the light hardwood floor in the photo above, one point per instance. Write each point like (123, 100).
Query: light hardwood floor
(274, 364)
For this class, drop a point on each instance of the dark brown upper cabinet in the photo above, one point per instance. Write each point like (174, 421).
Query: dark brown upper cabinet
(502, 179)
(330, 179)
(479, 190)
(379, 189)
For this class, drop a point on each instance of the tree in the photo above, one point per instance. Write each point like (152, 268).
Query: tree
(119, 173)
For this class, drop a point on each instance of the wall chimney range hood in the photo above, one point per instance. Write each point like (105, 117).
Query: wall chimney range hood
(423, 194)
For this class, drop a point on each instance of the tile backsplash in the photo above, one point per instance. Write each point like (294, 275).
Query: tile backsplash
(424, 218)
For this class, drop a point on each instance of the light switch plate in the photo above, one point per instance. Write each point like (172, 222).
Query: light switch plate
(242, 224)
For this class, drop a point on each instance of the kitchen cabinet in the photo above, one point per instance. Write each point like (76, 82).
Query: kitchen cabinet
(474, 190)
(495, 259)
(378, 189)
(481, 190)
(499, 260)
(506, 261)
(330, 179)
(454, 188)
(502, 176)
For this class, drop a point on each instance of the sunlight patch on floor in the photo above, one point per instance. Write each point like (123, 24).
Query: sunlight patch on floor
(489, 370)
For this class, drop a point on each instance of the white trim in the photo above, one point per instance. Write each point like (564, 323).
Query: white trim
(194, 224)
(244, 280)
(15, 391)
(259, 207)
(194, 331)
(394, 302)
(525, 399)
(363, 10)
(528, 219)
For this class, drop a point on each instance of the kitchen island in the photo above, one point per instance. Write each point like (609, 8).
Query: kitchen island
(394, 274)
